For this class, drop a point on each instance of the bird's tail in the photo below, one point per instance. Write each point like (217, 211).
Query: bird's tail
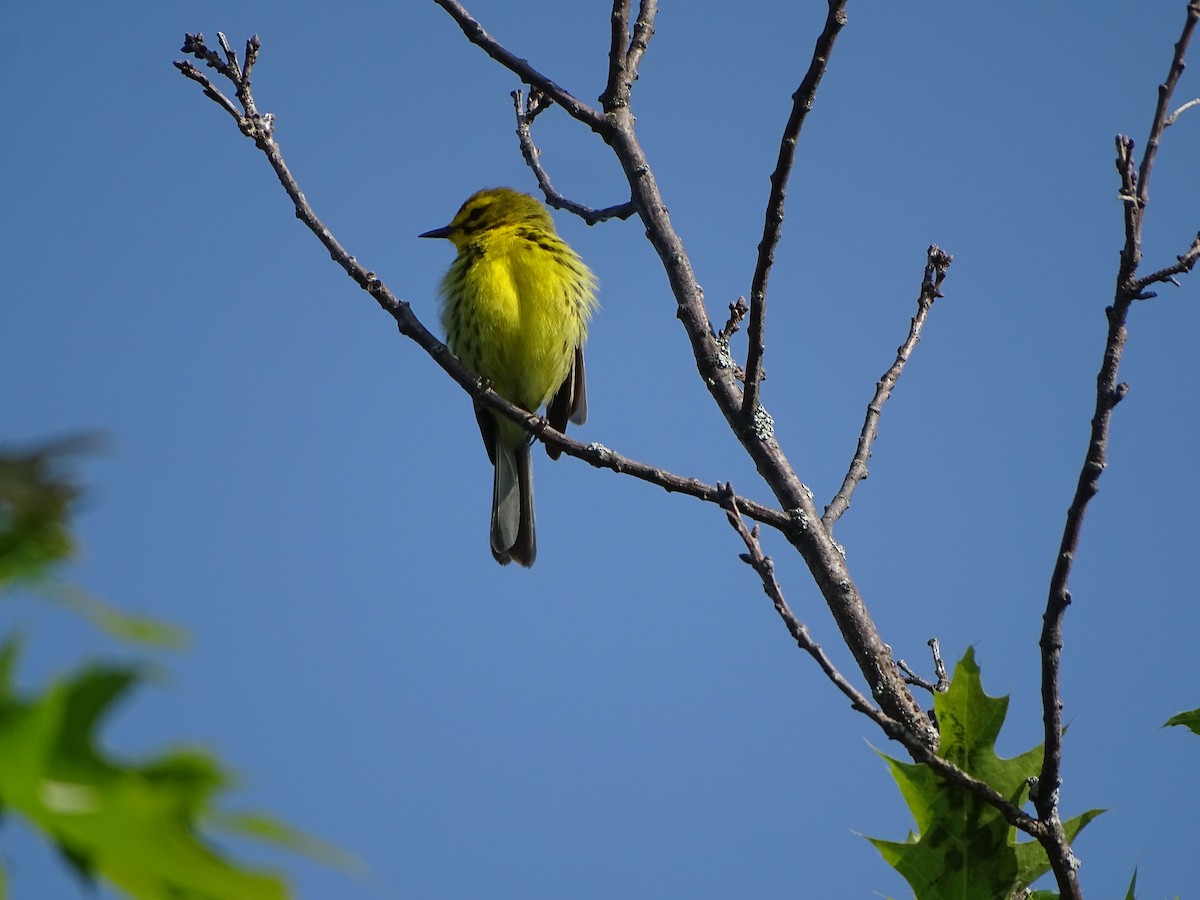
(513, 534)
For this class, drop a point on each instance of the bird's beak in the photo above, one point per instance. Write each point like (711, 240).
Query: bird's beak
(438, 232)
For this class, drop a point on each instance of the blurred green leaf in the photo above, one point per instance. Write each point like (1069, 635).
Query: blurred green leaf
(270, 830)
(133, 825)
(964, 848)
(117, 623)
(35, 501)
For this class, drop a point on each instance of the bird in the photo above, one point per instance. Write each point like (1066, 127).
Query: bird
(515, 306)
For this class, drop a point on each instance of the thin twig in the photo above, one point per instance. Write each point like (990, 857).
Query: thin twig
(937, 263)
(1174, 117)
(737, 312)
(911, 677)
(624, 52)
(815, 545)
(527, 111)
(1165, 91)
(762, 564)
(802, 102)
(643, 30)
(1109, 392)
(476, 34)
(1183, 265)
(939, 667)
(617, 88)
(764, 567)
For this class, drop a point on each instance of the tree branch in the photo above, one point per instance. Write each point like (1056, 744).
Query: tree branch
(939, 669)
(802, 102)
(1162, 117)
(624, 52)
(475, 33)
(1109, 392)
(937, 263)
(1183, 265)
(643, 30)
(765, 569)
(756, 433)
(619, 84)
(527, 111)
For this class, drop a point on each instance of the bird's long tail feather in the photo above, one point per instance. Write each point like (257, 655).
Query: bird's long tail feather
(513, 533)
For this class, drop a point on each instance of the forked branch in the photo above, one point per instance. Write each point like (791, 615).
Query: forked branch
(719, 374)
(765, 568)
(527, 110)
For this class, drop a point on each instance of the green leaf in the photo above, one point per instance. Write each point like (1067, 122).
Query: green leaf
(1190, 719)
(133, 825)
(35, 502)
(270, 830)
(963, 848)
(1131, 893)
(115, 622)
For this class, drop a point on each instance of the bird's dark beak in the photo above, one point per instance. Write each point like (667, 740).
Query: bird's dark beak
(438, 233)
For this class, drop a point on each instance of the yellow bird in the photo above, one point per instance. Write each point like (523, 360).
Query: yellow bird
(515, 307)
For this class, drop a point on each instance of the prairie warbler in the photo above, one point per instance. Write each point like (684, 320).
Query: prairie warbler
(515, 307)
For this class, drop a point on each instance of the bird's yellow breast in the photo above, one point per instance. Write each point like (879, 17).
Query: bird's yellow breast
(516, 305)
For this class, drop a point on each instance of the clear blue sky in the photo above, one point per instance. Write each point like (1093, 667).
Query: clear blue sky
(306, 493)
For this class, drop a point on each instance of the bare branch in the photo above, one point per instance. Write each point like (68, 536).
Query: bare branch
(210, 92)
(1174, 117)
(603, 458)
(756, 434)
(1183, 265)
(617, 89)
(624, 52)
(643, 30)
(230, 56)
(248, 119)
(937, 263)
(475, 33)
(1165, 91)
(802, 102)
(762, 564)
(737, 312)
(939, 667)
(527, 111)
(1109, 392)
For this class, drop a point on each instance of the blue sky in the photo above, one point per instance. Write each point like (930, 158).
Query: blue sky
(304, 491)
